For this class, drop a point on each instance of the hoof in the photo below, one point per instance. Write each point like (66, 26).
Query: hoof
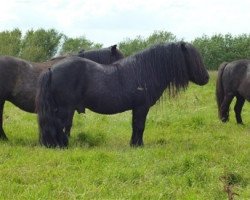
(224, 120)
(3, 137)
(135, 145)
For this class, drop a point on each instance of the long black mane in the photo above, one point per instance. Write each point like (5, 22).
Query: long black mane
(164, 66)
(161, 66)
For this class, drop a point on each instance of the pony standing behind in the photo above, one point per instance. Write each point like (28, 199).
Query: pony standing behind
(18, 78)
(233, 81)
(133, 83)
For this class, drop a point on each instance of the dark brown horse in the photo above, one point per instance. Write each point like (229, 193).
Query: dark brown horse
(233, 81)
(133, 83)
(18, 78)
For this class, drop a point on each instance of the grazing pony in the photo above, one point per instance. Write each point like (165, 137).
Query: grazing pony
(18, 78)
(133, 83)
(233, 81)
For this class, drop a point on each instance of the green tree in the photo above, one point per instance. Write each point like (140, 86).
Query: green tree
(72, 45)
(211, 49)
(10, 42)
(220, 48)
(240, 47)
(160, 37)
(131, 46)
(40, 45)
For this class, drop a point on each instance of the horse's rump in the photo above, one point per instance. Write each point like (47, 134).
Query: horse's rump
(47, 110)
(219, 86)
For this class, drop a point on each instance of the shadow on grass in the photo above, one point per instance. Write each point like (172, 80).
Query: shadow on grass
(85, 139)
(29, 142)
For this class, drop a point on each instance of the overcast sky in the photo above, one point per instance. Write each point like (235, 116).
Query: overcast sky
(111, 21)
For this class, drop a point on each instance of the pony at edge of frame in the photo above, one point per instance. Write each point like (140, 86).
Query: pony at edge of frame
(233, 80)
(18, 78)
(132, 83)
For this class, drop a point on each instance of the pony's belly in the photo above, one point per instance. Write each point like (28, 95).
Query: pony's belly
(112, 103)
(25, 106)
(108, 109)
(25, 102)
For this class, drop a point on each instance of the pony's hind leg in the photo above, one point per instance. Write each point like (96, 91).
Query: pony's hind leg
(238, 108)
(138, 125)
(224, 109)
(2, 133)
(53, 135)
(52, 129)
(65, 117)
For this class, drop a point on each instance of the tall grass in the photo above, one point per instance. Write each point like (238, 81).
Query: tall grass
(188, 154)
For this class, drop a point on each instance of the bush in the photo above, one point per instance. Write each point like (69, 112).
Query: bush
(40, 45)
(10, 42)
(72, 45)
(131, 46)
(219, 48)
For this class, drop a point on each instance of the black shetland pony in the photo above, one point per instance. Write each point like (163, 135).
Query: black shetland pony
(233, 81)
(133, 83)
(18, 78)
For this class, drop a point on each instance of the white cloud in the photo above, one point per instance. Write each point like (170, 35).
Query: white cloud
(6, 14)
(111, 21)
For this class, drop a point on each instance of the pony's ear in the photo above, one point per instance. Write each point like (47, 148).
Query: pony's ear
(113, 49)
(81, 51)
(183, 46)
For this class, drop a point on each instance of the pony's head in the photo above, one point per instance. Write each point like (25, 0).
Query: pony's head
(103, 56)
(115, 53)
(196, 69)
(81, 53)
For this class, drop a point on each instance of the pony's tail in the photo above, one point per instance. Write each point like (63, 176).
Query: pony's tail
(219, 88)
(50, 127)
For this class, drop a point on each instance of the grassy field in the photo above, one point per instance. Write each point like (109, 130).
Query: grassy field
(188, 154)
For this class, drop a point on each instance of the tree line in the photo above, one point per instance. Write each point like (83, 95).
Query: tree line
(40, 45)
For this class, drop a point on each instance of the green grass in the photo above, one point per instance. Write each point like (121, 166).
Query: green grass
(188, 154)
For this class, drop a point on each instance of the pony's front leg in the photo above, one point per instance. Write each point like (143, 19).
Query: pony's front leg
(57, 137)
(2, 134)
(138, 124)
